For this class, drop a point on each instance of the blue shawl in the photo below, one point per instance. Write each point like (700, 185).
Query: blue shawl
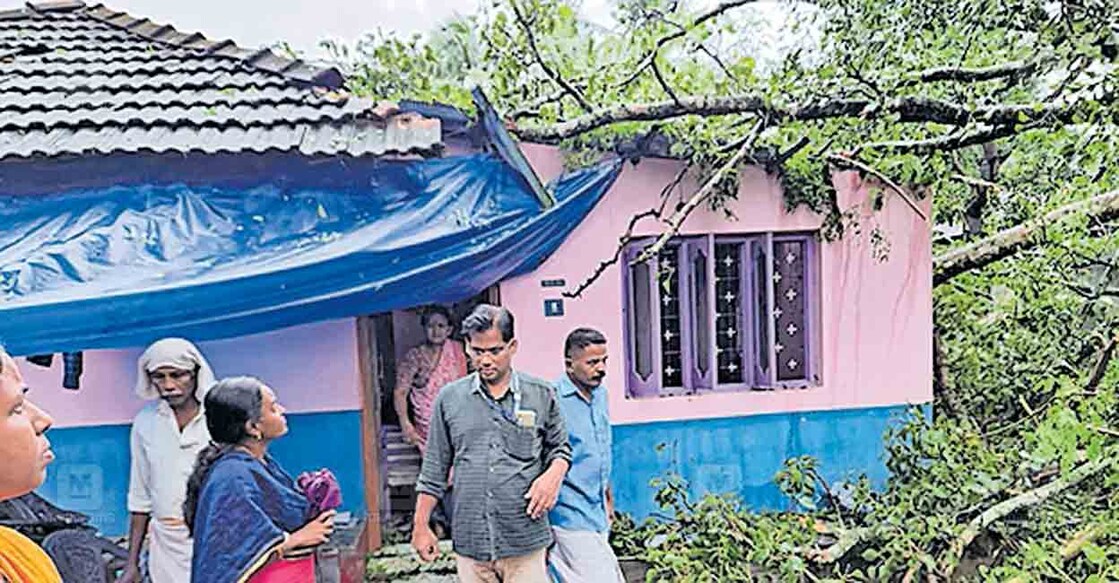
(244, 509)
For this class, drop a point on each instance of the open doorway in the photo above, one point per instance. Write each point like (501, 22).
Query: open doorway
(392, 463)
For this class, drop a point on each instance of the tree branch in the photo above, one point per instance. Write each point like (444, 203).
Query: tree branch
(1102, 363)
(976, 182)
(966, 75)
(1105, 431)
(1083, 537)
(842, 160)
(551, 73)
(718, 61)
(647, 60)
(701, 195)
(953, 141)
(847, 540)
(530, 109)
(664, 84)
(1002, 120)
(1007, 507)
(800, 144)
(1015, 239)
(627, 235)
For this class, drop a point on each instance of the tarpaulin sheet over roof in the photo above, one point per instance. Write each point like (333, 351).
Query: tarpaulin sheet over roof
(122, 266)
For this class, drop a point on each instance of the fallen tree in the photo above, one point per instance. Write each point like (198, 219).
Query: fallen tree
(1099, 209)
(1004, 112)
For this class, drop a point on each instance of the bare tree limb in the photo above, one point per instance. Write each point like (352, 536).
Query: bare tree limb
(1001, 120)
(800, 144)
(718, 61)
(1102, 363)
(1083, 537)
(647, 60)
(700, 195)
(842, 160)
(627, 235)
(1024, 500)
(664, 84)
(1105, 431)
(966, 75)
(847, 540)
(548, 70)
(1010, 241)
(952, 141)
(735, 145)
(530, 109)
(977, 182)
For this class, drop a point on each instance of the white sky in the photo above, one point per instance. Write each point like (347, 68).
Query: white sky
(303, 23)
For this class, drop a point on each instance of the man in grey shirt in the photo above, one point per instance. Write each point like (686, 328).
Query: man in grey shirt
(503, 433)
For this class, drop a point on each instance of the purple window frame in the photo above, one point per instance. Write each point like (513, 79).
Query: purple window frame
(811, 305)
(746, 336)
(636, 387)
(693, 380)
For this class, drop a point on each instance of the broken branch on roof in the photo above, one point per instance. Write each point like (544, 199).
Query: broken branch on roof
(1001, 120)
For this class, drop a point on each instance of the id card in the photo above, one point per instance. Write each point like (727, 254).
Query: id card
(526, 418)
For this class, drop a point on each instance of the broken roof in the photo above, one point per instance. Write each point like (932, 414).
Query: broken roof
(78, 79)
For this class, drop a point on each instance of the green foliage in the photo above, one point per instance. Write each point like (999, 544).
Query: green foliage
(1023, 397)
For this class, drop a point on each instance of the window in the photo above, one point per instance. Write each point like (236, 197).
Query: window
(720, 313)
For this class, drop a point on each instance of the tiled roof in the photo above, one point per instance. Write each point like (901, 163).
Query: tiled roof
(78, 79)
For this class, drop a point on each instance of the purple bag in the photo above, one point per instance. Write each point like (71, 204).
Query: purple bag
(321, 489)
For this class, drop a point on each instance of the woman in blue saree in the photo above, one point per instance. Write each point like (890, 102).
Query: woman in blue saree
(249, 521)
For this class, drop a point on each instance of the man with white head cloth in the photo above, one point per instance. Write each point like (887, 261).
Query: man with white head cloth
(166, 438)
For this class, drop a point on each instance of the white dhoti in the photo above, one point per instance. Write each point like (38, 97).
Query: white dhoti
(169, 551)
(584, 556)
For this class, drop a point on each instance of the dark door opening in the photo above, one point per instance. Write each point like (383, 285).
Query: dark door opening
(388, 337)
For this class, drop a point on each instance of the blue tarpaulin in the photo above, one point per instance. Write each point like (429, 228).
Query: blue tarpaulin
(122, 266)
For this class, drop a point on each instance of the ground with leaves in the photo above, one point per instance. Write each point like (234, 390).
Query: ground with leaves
(1003, 112)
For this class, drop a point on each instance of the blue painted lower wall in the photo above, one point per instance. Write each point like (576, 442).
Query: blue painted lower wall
(739, 455)
(91, 471)
(743, 454)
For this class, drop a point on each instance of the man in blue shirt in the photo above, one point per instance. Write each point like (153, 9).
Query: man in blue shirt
(582, 515)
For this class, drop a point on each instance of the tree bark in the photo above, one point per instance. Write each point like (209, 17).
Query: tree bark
(1016, 239)
(1023, 500)
(1004, 120)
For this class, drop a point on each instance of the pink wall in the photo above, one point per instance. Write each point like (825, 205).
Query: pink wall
(876, 317)
(313, 368)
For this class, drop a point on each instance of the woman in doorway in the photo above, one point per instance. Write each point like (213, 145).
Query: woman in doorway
(249, 521)
(424, 370)
(24, 455)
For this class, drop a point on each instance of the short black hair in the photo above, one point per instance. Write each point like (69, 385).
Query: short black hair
(428, 311)
(486, 317)
(581, 338)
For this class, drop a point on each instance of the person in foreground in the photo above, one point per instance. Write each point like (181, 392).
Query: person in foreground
(249, 520)
(503, 433)
(166, 437)
(582, 516)
(24, 455)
